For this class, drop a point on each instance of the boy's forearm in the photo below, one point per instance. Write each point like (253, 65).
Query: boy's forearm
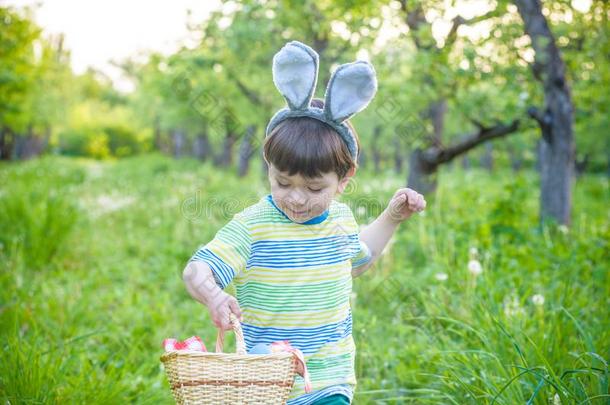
(376, 236)
(200, 282)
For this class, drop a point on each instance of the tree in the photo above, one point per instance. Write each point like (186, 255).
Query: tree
(441, 81)
(35, 76)
(556, 119)
(17, 36)
(46, 104)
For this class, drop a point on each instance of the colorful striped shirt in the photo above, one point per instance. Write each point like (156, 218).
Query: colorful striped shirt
(293, 282)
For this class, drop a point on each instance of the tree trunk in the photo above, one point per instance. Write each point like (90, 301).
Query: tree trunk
(7, 141)
(556, 180)
(398, 154)
(487, 160)
(20, 140)
(422, 174)
(246, 149)
(225, 158)
(556, 121)
(30, 145)
(376, 161)
(436, 113)
(516, 161)
(466, 162)
(158, 135)
(202, 149)
(38, 144)
(538, 155)
(580, 165)
(178, 140)
(3, 136)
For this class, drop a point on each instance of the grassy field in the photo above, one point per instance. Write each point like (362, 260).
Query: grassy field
(91, 255)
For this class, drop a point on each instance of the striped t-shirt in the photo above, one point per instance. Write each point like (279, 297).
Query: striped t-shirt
(293, 282)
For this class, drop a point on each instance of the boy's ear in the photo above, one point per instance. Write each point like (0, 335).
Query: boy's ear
(345, 181)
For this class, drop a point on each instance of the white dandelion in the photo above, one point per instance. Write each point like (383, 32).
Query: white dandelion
(473, 251)
(538, 299)
(474, 267)
(512, 306)
(441, 276)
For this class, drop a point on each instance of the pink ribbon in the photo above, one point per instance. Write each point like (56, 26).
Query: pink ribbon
(193, 343)
(284, 346)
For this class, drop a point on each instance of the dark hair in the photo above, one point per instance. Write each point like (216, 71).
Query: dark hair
(309, 147)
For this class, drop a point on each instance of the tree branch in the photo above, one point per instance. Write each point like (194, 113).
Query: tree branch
(250, 94)
(436, 156)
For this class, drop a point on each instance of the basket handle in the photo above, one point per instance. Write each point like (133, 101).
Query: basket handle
(239, 336)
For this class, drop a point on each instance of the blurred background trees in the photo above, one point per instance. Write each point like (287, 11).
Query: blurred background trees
(521, 84)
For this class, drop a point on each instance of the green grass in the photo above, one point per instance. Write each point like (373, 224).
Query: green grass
(91, 255)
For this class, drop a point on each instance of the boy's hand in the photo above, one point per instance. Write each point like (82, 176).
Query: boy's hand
(220, 307)
(405, 203)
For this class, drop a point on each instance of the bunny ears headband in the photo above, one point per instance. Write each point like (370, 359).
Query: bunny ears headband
(350, 89)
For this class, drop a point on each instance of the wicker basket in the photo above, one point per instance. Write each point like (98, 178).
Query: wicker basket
(230, 378)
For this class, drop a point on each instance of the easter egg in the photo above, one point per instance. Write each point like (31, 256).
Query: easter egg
(261, 348)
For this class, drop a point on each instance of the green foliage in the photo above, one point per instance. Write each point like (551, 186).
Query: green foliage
(101, 143)
(17, 35)
(86, 323)
(222, 84)
(41, 96)
(530, 327)
(36, 213)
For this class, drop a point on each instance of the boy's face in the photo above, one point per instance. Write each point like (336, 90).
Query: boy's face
(303, 198)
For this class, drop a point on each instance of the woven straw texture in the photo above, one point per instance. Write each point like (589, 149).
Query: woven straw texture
(230, 378)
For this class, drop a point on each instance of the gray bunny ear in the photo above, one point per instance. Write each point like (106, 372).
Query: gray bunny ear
(351, 88)
(295, 73)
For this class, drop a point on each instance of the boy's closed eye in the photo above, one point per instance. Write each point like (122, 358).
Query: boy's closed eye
(313, 190)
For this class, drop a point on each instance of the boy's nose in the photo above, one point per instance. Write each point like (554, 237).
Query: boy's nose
(297, 199)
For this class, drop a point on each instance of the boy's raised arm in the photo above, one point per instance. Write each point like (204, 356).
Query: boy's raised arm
(376, 235)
